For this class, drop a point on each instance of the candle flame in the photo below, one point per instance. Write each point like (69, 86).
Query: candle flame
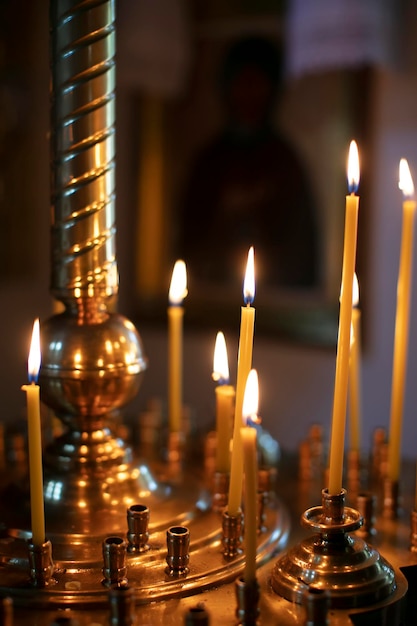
(178, 287)
(249, 282)
(251, 399)
(34, 360)
(355, 291)
(405, 182)
(353, 171)
(220, 361)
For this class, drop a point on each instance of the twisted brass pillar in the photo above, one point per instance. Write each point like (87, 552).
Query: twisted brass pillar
(92, 356)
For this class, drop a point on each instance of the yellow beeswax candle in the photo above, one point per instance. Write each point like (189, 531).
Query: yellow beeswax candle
(35, 441)
(225, 399)
(177, 292)
(401, 322)
(244, 365)
(345, 319)
(355, 372)
(250, 463)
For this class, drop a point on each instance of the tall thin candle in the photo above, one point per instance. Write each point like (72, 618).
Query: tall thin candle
(177, 293)
(35, 440)
(355, 372)
(250, 461)
(345, 319)
(401, 322)
(225, 397)
(244, 365)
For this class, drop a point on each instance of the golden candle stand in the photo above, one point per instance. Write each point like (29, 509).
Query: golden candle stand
(131, 537)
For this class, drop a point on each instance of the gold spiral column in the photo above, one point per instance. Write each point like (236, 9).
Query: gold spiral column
(92, 357)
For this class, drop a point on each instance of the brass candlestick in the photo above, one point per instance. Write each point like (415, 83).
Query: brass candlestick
(353, 572)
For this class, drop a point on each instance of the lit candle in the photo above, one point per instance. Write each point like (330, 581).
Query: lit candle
(35, 440)
(225, 397)
(250, 462)
(244, 364)
(177, 293)
(401, 322)
(355, 372)
(337, 442)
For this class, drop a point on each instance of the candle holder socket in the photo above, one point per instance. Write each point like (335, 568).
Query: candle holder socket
(247, 596)
(178, 546)
(122, 605)
(316, 603)
(137, 523)
(114, 558)
(413, 532)
(391, 506)
(231, 534)
(40, 564)
(197, 616)
(354, 573)
(220, 491)
(366, 505)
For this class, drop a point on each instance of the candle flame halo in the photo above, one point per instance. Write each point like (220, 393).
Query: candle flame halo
(178, 288)
(353, 169)
(220, 361)
(249, 282)
(405, 182)
(34, 360)
(251, 399)
(355, 291)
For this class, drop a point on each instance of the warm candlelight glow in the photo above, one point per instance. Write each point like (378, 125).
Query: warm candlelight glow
(177, 292)
(355, 370)
(249, 282)
(405, 182)
(355, 291)
(220, 361)
(178, 287)
(225, 402)
(34, 360)
(353, 173)
(251, 399)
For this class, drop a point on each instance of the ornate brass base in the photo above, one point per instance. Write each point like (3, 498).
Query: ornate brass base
(353, 572)
(78, 556)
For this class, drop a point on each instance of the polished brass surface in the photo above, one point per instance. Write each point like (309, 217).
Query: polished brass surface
(92, 357)
(83, 76)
